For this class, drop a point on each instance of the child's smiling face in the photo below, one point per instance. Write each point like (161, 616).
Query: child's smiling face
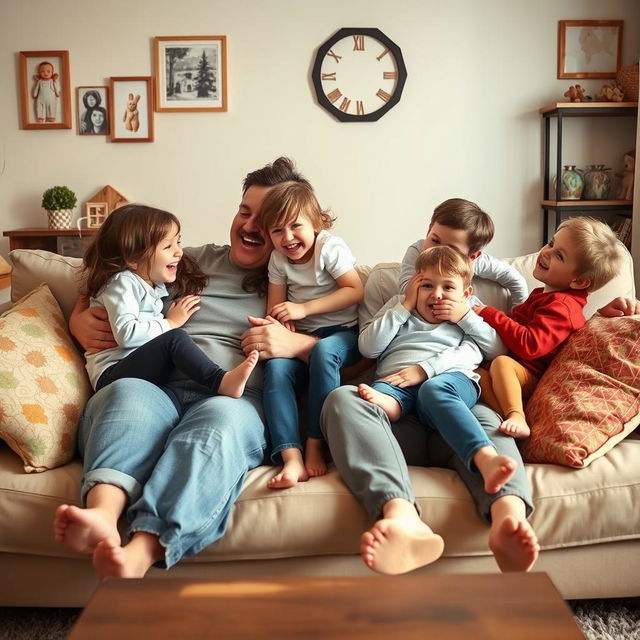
(436, 287)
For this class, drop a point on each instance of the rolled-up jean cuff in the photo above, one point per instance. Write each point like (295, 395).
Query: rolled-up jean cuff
(125, 482)
(485, 508)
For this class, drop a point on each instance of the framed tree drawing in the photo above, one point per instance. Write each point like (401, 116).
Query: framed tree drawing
(44, 90)
(191, 73)
(589, 48)
(131, 109)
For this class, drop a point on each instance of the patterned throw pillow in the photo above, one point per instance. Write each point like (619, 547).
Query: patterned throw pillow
(589, 398)
(43, 382)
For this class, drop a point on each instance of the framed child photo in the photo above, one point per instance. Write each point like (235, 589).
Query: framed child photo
(92, 107)
(45, 95)
(131, 109)
(589, 48)
(191, 73)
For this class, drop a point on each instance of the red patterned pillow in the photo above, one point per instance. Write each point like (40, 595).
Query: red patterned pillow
(588, 400)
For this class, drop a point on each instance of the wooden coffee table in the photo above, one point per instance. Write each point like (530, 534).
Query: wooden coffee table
(510, 606)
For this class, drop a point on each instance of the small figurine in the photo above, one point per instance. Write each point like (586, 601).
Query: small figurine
(131, 119)
(575, 93)
(46, 92)
(625, 192)
(611, 93)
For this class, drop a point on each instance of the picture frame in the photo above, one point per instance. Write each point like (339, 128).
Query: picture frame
(589, 48)
(190, 73)
(45, 94)
(89, 101)
(131, 108)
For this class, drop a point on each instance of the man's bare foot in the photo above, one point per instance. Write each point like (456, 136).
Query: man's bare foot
(515, 425)
(82, 529)
(400, 542)
(388, 404)
(131, 561)
(496, 470)
(293, 470)
(314, 460)
(514, 544)
(233, 382)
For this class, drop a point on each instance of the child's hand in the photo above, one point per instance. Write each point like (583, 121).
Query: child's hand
(620, 307)
(451, 310)
(408, 377)
(288, 311)
(477, 308)
(182, 309)
(411, 292)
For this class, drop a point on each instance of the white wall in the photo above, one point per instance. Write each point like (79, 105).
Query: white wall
(467, 124)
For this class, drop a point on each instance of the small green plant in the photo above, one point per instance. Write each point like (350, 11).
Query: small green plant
(57, 198)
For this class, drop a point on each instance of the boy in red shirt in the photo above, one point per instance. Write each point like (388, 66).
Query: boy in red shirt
(582, 256)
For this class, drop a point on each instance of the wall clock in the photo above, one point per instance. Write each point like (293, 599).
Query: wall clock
(359, 74)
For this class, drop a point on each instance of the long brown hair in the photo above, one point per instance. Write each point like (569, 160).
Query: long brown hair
(130, 235)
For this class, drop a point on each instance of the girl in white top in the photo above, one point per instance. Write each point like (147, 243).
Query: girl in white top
(132, 258)
(313, 288)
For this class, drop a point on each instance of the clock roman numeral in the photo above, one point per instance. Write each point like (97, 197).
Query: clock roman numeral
(329, 76)
(382, 55)
(344, 105)
(383, 95)
(335, 56)
(334, 95)
(359, 107)
(358, 43)
(390, 75)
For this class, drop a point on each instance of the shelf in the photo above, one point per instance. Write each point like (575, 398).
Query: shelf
(591, 204)
(577, 109)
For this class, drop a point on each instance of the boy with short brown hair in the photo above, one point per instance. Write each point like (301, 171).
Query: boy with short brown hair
(464, 226)
(582, 256)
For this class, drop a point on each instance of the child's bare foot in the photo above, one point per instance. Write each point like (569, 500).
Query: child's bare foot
(388, 404)
(496, 470)
(514, 545)
(132, 561)
(233, 382)
(400, 542)
(293, 471)
(515, 425)
(82, 529)
(314, 460)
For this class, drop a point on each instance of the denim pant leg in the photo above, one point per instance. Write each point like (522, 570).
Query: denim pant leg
(444, 404)
(284, 378)
(364, 450)
(121, 434)
(188, 497)
(406, 397)
(338, 349)
(156, 360)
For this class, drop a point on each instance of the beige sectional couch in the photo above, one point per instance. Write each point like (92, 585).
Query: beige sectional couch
(587, 520)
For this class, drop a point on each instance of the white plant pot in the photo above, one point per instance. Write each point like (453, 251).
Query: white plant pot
(59, 218)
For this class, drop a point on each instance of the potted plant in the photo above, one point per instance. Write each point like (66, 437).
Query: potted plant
(59, 203)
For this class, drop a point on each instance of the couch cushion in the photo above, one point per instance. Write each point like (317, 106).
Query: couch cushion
(589, 398)
(321, 517)
(43, 382)
(33, 267)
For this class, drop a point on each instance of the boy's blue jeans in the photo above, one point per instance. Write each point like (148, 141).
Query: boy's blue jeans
(284, 378)
(444, 403)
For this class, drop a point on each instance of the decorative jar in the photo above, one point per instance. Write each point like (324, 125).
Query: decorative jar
(572, 183)
(597, 182)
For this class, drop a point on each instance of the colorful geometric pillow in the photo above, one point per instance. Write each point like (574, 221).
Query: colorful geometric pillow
(43, 382)
(588, 400)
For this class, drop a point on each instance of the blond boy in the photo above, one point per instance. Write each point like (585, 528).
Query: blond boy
(582, 256)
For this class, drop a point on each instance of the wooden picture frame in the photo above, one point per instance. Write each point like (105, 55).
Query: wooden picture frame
(589, 48)
(190, 73)
(45, 94)
(89, 100)
(131, 108)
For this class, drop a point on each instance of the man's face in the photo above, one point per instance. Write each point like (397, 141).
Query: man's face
(250, 247)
